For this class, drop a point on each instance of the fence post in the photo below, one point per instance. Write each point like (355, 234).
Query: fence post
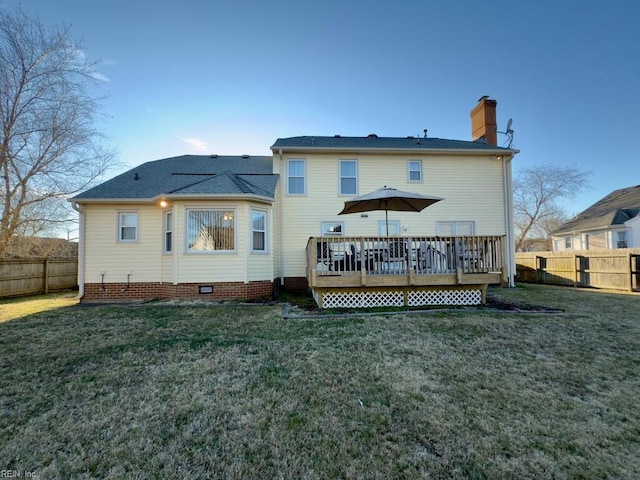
(46, 276)
(538, 270)
(576, 269)
(630, 275)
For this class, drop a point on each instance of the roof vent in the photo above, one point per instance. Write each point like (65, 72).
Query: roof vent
(245, 156)
(213, 155)
(410, 136)
(337, 136)
(136, 177)
(372, 135)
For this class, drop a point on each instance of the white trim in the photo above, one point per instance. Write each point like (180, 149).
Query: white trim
(266, 231)
(331, 234)
(419, 162)
(382, 227)
(234, 211)
(340, 177)
(304, 177)
(456, 224)
(119, 226)
(165, 213)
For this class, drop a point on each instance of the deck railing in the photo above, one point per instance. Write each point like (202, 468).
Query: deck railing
(346, 256)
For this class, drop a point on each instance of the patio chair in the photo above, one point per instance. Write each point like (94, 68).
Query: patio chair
(397, 255)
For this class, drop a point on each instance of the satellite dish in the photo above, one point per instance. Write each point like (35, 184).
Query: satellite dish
(509, 132)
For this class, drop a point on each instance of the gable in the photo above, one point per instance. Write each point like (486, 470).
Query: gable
(615, 209)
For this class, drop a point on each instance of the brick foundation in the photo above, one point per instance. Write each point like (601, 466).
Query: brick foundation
(149, 290)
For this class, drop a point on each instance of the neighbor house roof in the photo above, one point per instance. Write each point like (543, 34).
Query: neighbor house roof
(189, 176)
(614, 209)
(374, 142)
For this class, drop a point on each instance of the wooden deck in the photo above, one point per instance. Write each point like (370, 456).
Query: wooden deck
(369, 264)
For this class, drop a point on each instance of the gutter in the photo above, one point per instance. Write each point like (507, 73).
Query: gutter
(81, 249)
(157, 198)
(417, 151)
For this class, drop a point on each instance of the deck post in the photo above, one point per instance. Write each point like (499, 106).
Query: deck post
(459, 275)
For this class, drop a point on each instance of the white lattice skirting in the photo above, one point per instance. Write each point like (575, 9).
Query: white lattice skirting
(362, 299)
(396, 298)
(444, 297)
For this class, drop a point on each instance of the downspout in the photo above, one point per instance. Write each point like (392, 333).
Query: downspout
(281, 213)
(248, 241)
(81, 249)
(508, 218)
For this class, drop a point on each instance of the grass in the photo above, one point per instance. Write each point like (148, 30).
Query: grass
(21, 307)
(159, 391)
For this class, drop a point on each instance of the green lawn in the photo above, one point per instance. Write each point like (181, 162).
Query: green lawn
(190, 391)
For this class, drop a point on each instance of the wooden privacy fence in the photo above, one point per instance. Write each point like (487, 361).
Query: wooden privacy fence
(614, 269)
(37, 275)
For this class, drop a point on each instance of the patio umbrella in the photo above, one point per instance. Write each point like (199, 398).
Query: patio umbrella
(386, 199)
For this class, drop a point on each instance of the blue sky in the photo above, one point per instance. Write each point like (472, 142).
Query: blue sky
(229, 77)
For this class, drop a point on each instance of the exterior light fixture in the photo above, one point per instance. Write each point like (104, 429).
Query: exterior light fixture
(163, 203)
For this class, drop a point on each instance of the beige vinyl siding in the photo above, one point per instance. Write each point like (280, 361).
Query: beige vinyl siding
(238, 266)
(105, 254)
(146, 260)
(259, 264)
(472, 186)
(634, 233)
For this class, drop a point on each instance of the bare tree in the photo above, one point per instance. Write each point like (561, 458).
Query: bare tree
(50, 148)
(536, 192)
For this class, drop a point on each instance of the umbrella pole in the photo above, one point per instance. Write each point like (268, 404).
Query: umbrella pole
(386, 219)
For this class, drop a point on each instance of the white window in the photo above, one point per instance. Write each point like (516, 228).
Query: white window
(127, 226)
(568, 243)
(258, 231)
(455, 229)
(415, 171)
(296, 177)
(621, 239)
(168, 231)
(210, 230)
(332, 228)
(392, 228)
(348, 177)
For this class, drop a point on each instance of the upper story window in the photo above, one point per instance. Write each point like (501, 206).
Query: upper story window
(296, 177)
(210, 230)
(621, 239)
(258, 231)
(415, 171)
(168, 231)
(127, 226)
(348, 177)
(455, 229)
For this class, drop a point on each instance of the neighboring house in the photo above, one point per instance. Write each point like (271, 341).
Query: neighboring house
(612, 222)
(243, 227)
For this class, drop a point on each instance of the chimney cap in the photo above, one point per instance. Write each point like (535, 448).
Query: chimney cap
(482, 98)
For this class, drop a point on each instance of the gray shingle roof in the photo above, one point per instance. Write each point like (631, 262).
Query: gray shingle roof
(383, 143)
(190, 175)
(614, 209)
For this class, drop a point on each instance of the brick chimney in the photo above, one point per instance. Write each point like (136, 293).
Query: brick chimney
(483, 121)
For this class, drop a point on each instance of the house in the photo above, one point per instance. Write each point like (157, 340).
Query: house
(612, 222)
(246, 226)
